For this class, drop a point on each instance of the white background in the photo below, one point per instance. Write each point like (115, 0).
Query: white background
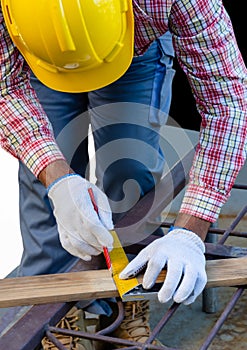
(10, 237)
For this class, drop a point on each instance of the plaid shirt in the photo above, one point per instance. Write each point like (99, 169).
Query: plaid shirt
(207, 51)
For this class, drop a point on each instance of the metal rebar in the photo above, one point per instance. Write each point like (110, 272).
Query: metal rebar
(222, 318)
(233, 225)
(213, 230)
(105, 338)
(116, 322)
(55, 341)
(170, 312)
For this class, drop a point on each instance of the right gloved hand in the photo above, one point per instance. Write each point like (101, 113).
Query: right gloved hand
(183, 253)
(82, 231)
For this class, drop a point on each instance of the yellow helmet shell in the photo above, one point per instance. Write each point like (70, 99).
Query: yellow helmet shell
(73, 45)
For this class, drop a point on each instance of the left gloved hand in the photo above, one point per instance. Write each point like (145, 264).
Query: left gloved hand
(82, 231)
(183, 253)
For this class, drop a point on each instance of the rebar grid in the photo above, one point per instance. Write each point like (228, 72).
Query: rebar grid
(103, 335)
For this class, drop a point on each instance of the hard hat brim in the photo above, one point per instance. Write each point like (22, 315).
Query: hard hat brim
(84, 81)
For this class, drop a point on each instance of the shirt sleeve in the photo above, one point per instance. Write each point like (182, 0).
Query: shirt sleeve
(25, 131)
(208, 53)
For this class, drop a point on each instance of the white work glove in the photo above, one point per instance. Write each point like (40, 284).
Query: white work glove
(82, 231)
(182, 252)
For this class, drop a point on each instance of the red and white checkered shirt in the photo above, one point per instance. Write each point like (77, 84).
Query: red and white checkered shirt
(206, 48)
(207, 51)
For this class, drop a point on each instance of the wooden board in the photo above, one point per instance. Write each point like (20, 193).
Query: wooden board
(82, 285)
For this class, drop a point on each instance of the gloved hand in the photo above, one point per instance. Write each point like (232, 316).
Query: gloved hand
(183, 253)
(82, 231)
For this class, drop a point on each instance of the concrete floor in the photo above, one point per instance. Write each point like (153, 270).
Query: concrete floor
(189, 326)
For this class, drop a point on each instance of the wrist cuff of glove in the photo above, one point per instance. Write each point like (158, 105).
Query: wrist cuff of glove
(52, 185)
(177, 227)
(190, 235)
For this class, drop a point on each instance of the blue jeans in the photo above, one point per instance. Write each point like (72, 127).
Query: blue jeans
(125, 119)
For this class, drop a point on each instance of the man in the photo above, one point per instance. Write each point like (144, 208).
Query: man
(206, 48)
(128, 109)
(118, 113)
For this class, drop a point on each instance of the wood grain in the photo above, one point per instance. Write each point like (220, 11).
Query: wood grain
(94, 284)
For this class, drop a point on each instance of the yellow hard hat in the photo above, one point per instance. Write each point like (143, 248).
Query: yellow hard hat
(73, 45)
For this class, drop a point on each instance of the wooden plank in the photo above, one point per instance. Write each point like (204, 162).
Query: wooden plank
(93, 284)
(227, 272)
(222, 272)
(55, 288)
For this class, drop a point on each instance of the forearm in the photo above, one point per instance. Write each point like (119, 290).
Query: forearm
(193, 223)
(54, 171)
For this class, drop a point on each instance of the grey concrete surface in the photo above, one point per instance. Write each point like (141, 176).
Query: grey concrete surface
(189, 326)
